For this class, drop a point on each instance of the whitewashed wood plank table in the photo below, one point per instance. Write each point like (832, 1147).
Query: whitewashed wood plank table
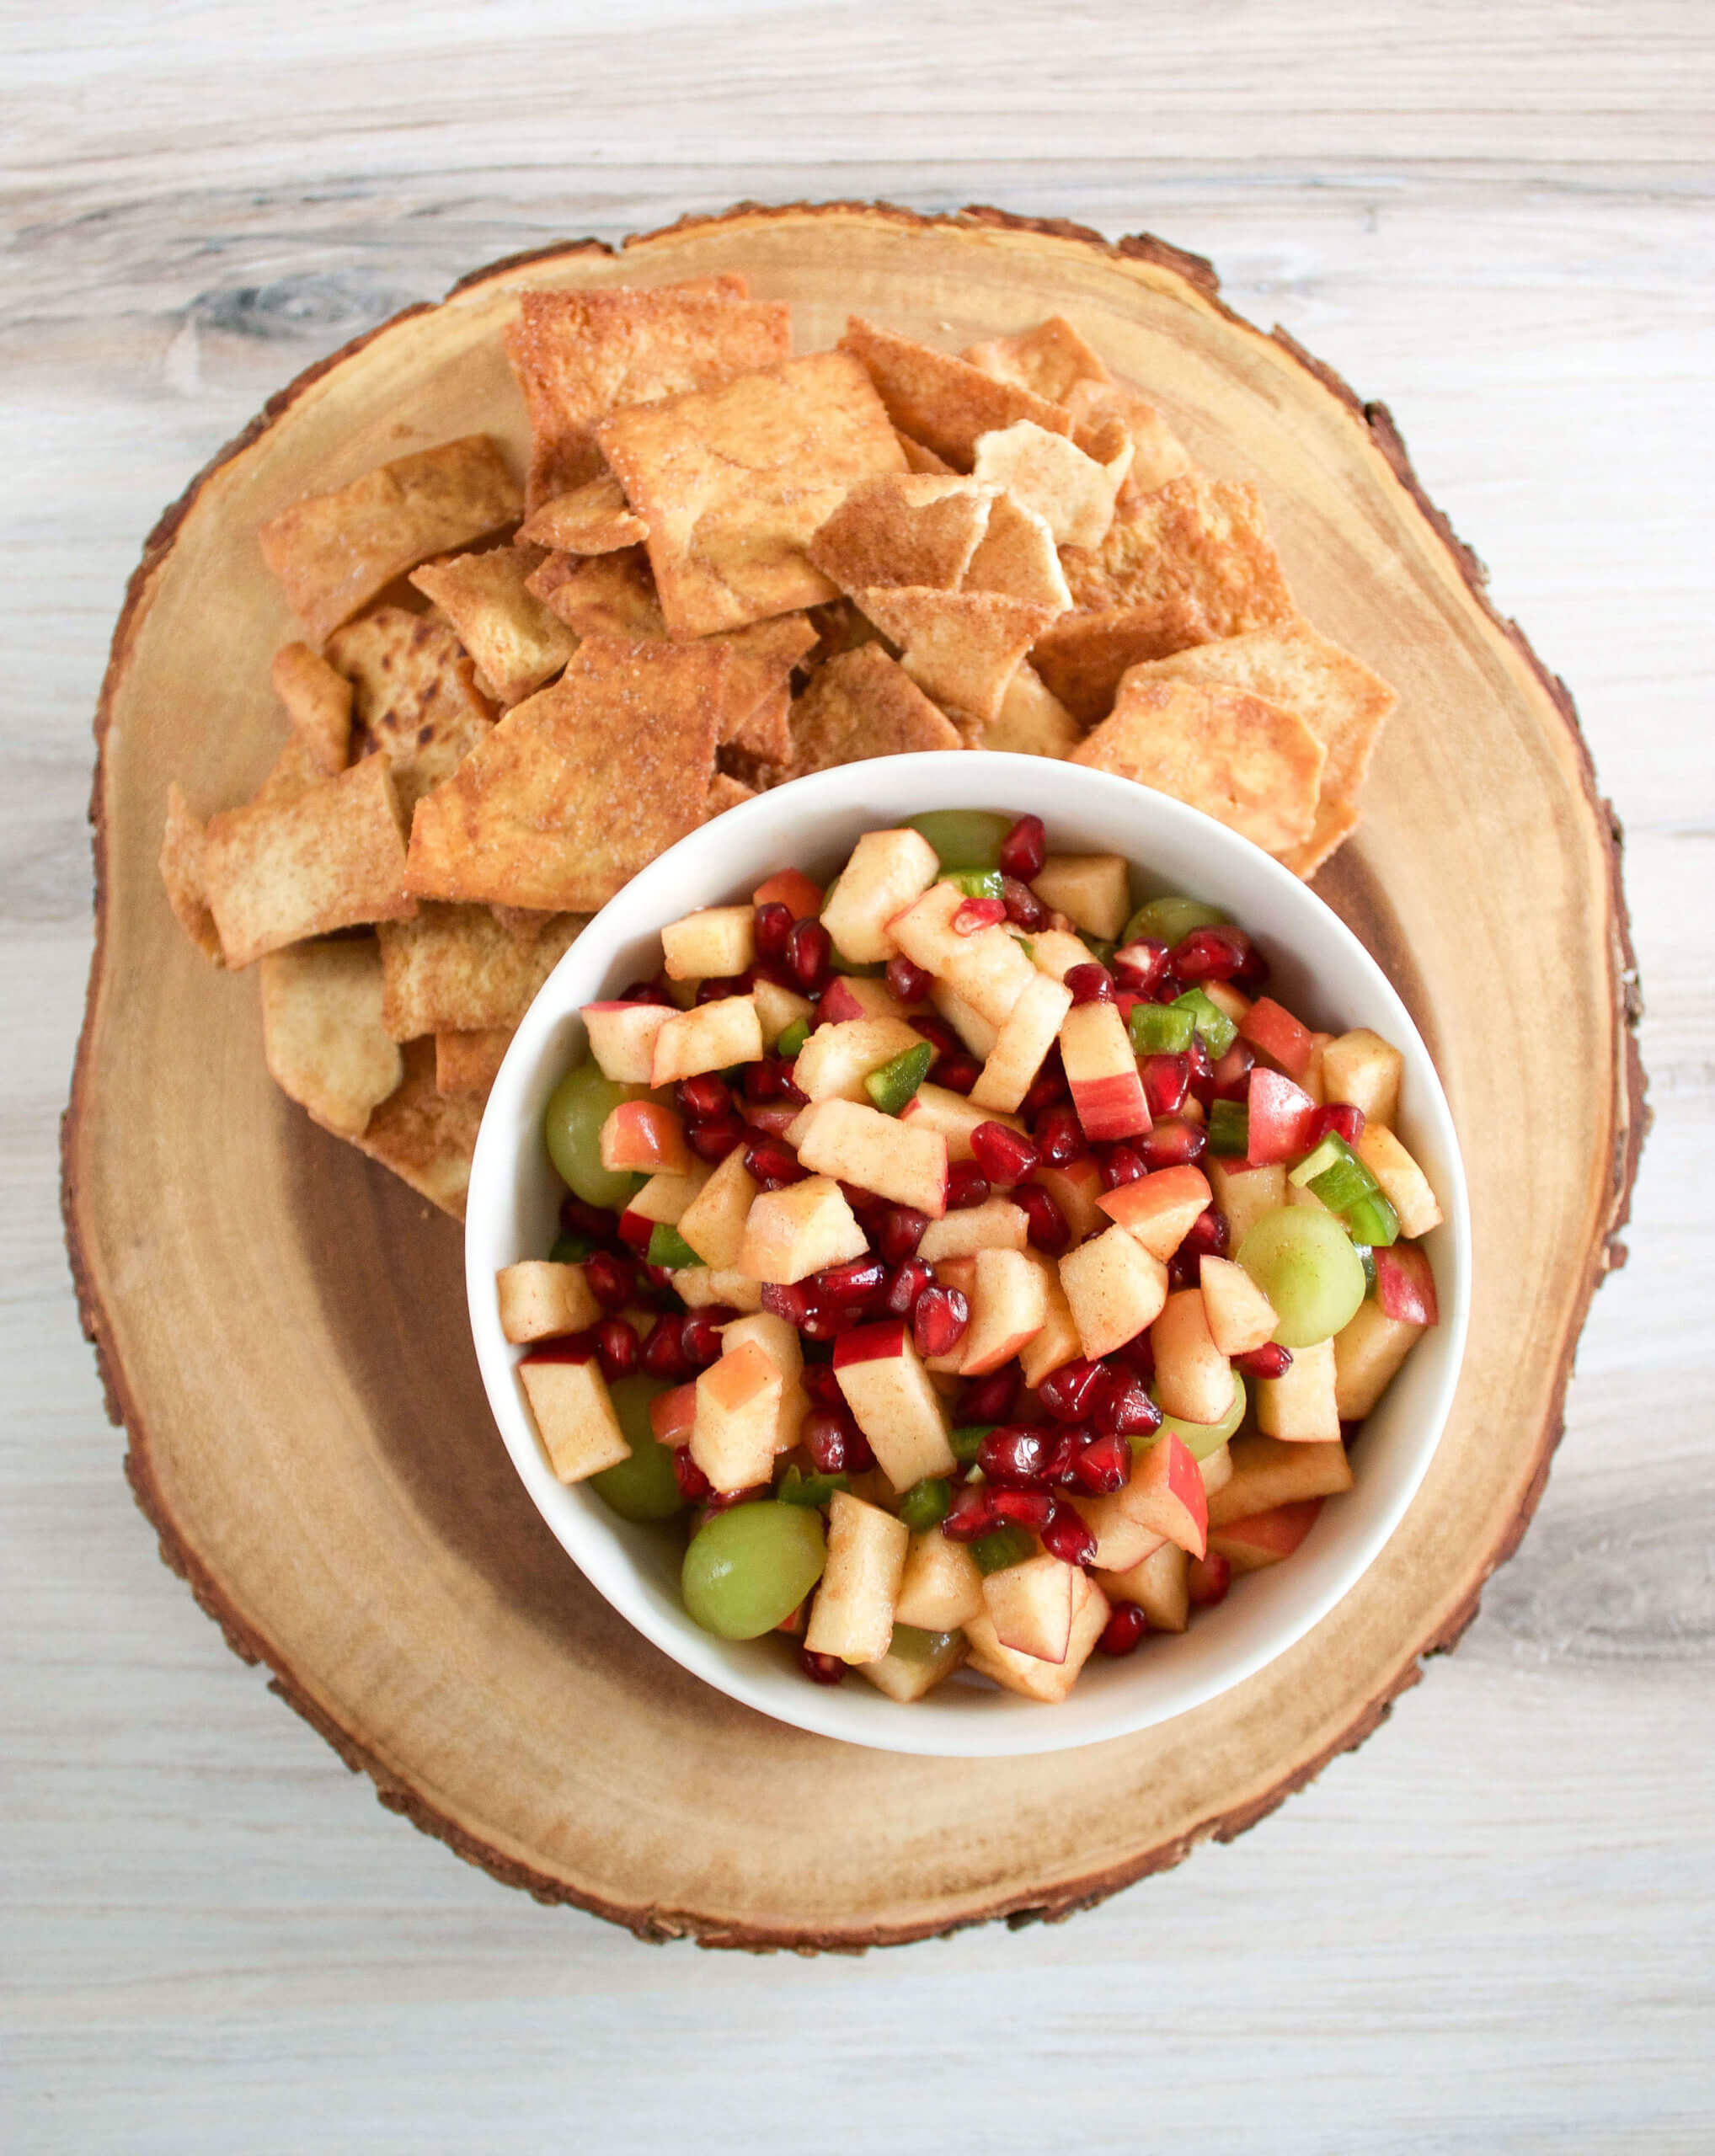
(1494, 1926)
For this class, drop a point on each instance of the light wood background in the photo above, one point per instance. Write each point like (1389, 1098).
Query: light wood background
(1490, 1929)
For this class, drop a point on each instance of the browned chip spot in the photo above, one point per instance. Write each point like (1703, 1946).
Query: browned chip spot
(1341, 702)
(579, 355)
(725, 792)
(455, 969)
(333, 552)
(1082, 656)
(277, 872)
(1032, 722)
(581, 785)
(515, 641)
(863, 704)
(470, 1063)
(1102, 418)
(426, 1137)
(322, 1032)
(1050, 361)
(593, 519)
(605, 595)
(1018, 559)
(1244, 761)
(907, 528)
(733, 483)
(182, 872)
(318, 700)
(960, 647)
(1196, 538)
(944, 402)
(415, 695)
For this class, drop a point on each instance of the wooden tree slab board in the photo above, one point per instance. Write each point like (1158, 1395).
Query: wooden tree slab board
(280, 1326)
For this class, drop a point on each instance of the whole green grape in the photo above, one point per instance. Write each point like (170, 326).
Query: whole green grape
(1304, 1262)
(577, 1108)
(644, 1487)
(1167, 920)
(748, 1567)
(963, 838)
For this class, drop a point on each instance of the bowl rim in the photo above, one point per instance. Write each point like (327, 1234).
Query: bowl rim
(1013, 1726)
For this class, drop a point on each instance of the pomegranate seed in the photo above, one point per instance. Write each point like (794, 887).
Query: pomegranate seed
(1090, 983)
(1017, 1452)
(1067, 1537)
(1340, 1120)
(820, 1668)
(939, 1320)
(859, 1199)
(822, 1385)
(1004, 1155)
(1207, 1580)
(809, 950)
(1024, 909)
(1216, 953)
(827, 1434)
(1202, 1072)
(1068, 1441)
(714, 1141)
(635, 1231)
(858, 1281)
(1024, 849)
(663, 1353)
(990, 1399)
(1126, 1408)
(978, 914)
(1174, 1143)
(1060, 1136)
(1167, 1079)
(594, 1222)
(970, 1514)
(908, 982)
(793, 1302)
(1044, 1223)
(1271, 1360)
(958, 1073)
(1136, 1355)
(719, 986)
(762, 1080)
(1120, 1165)
(1138, 966)
(1050, 1087)
(1070, 1394)
(937, 1032)
(1125, 1626)
(615, 1349)
(1207, 1234)
(899, 1230)
(907, 1284)
(642, 991)
(699, 1338)
(1031, 1509)
(694, 1484)
(1102, 1466)
(611, 1280)
(1232, 1074)
(773, 1118)
(773, 1164)
(722, 1501)
(828, 1320)
(966, 1185)
(659, 1277)
(773, 928)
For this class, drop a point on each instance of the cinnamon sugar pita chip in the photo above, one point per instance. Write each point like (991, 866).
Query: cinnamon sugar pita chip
(294, 771)
(516, 644)
(862, 704)
(414, 695)
(961, 647)
(602, 596)
(907, 528)
(1050, 360)
(944, 402)
(182, 872)
(1248, 763)
(278, 872)
(1196, 538)
(1082, 656)
(454, 969)
(734, 482)
(322, 1033)
(470, 1063)
(1072, 492)
(579, 355)
(1032, 721)
(759, 728)
(426, 1137)
(725, 792)
(593, 519)
(333, 553)
(1104, 415)
(318, 700)
(921, 458)
(582, 784)
(1341, 702)
(1018, 559)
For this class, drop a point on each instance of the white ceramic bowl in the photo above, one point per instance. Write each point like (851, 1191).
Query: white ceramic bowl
(1320, 970)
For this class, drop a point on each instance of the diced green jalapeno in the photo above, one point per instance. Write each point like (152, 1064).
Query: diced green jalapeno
(1230, 1128)
(967, 1442)
(571, 1250)
(794, 1038)
(668, 1247)
(976, 882)
(924, 1505)
(797, 1488)
(894, 1084)
(1008, 1545)
(1218, 1031)
(1161, 1028)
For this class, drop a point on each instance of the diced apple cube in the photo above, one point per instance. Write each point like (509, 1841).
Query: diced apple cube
(778, 1007)
(668, 1198)
(1362, 1068)
(1166, 1493)
(1244, 1193)
(1265, 1538)
(900, 1159)
(1300, 1407)
(971, 1027)
(647, 1138)
(1115, 1288)
(1266, 1473)
(711, 945)
(1367, 1353)
(1159, 1584)
(1232, 1002)
(1403, 1184)
(708, 1287)
(1058, 1341)
(835, 1060)
(1194, 1380)
(1121, 1541)
(942, 1587)
(800, 1230)
(622, 1039)
(1008, 1308)
(1269, 1026)
(938, 1108)
(1312, 1081)
(780, 1344)
(1240, 1317)
(907, 1675)
(1159, 1209)
(575, 1417)
(1092, 889)
(1020, 1048)
(995, 1225)
(1055, 951)
(539, 1300)
(714, 1222)
(887, 870)
(1280, 1118)
(1049, 1682)
(852, 1615)
(738, 1418)
(1101, 1068)
(894, 1402)
(1030, 1607)
(850, 995)
(1076, 1190)
(988, 969)
(1217, 1469)
(709, 1037)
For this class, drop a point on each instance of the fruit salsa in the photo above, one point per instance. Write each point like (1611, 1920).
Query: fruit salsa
(983, 1268)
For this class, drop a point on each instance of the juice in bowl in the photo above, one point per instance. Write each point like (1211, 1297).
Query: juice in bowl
(875, 1200)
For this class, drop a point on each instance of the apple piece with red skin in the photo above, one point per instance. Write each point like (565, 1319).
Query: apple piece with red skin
(1046, 1682)
(1076, 1190)
(1405, 1286)
(1272, 1029)
(995, 1225)
(1159, 1209)
(1101, 1068)
(1058, 1341)
(1280, 1117)
(622, 1039)
(1240, 1316)
(1192, 1379)
(1165, 1494)
(905, 1162)
(1020, 1048)
(1030, 1607)
(1115, 1289)
(738, 1416)
(1008, 1308)
(778, 1007)
(801, 1229)
(1300, 1408)
(714, 1222)
(849, 997)
(1158, 1583)
(1265, 1538)
(1368, 1351)
(573, 1412)
(672, 1414)
(935, 1107)
(1268, 1473)
(713, 944)
(852, 1614)
(541, 1300)
(1403, 1184)
(882, 1379)
(1092, 890)
(942, 1589)
(791, 888)
(709, 1037)
(836, 1059)
(887, 871)
(647, 1138)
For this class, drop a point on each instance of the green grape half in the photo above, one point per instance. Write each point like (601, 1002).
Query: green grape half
(577, 1108)
(1304, 1262)
(963, 838)
(644, 1487)
(1168, 920)
(748, 1568)
(1200, 1439)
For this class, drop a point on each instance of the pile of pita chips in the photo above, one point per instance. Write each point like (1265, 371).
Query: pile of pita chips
(736, 566)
